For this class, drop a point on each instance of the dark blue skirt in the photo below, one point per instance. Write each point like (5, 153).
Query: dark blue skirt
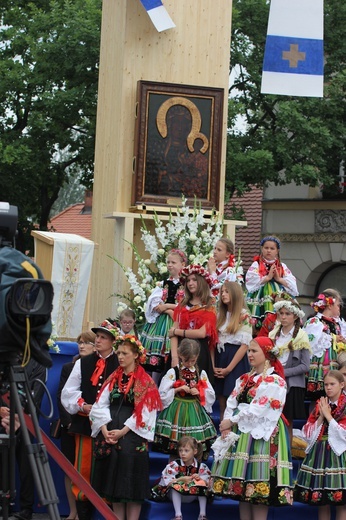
(222, 360)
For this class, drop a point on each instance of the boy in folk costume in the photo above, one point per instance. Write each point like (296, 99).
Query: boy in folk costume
(78, 396)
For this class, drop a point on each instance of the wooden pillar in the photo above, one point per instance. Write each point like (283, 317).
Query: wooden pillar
(195, 52)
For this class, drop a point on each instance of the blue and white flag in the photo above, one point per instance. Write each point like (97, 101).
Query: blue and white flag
(158, 14)
(293, 58)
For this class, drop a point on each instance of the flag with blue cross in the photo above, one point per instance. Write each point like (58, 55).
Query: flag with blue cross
(293, 58)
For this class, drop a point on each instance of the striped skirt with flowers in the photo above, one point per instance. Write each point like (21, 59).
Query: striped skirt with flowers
(256, 471)
(261, 302)
(319, 366)
(155, 340)
(321, 479)
(184, 416)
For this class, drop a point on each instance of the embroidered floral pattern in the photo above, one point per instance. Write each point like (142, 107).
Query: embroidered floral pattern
(142, 447)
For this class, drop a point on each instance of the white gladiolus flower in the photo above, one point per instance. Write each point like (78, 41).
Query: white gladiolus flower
(121, 307)
(187, 229)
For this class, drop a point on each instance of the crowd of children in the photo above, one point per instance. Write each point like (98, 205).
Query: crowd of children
(206, 337)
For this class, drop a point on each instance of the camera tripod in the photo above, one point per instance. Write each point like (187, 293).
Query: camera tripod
(37, 454)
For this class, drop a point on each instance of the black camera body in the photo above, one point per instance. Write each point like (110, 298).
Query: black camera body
(25, 299)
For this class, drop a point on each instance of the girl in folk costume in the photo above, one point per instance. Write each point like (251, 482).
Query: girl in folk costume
(185, 479)
(77, 397)
(123, 418)
(195, 318)
(267, 275)
(222, 265)
(326, 339)
(159, 313)
(187, 398)
(321, 479)
(235, 334)
(256, 469)
(294, 355)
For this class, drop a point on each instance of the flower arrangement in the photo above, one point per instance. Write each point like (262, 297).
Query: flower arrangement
(51, 342)
(187, 230)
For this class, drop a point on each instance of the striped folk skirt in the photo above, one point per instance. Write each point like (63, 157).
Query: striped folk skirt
(321, 479)
(319, 366)
(256, 471)
(184, 416)
(261, 302)
(155, 340)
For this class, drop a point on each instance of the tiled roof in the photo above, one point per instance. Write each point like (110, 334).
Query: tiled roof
(248, 238)
(73, 220)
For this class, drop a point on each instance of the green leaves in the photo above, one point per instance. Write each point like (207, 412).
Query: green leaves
(48, 94)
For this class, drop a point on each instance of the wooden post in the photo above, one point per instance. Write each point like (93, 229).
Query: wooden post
(196, 52)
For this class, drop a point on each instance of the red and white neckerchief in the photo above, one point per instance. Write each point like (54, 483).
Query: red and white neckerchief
(99, 368)
(221, 267)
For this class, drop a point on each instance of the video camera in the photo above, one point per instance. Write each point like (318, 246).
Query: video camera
(25, 299)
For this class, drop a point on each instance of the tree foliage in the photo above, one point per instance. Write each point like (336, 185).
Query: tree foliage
(281, 138)
(49, 56)
(48, 91)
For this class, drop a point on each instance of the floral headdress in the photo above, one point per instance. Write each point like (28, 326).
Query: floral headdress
(129, 338)
(322, 302)
(107, 326)
(180, 253)
(270, 239)
(290, 304)
(195, 269)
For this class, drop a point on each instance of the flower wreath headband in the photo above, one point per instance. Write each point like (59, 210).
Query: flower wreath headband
(180, 253)
(196, 269)
(129, 338)
(292, 306)
(322, 302)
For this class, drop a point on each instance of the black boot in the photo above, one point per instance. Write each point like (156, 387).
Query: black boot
(85, 509)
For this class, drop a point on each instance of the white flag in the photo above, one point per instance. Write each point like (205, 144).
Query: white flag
(158, 14)
(293, 58)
